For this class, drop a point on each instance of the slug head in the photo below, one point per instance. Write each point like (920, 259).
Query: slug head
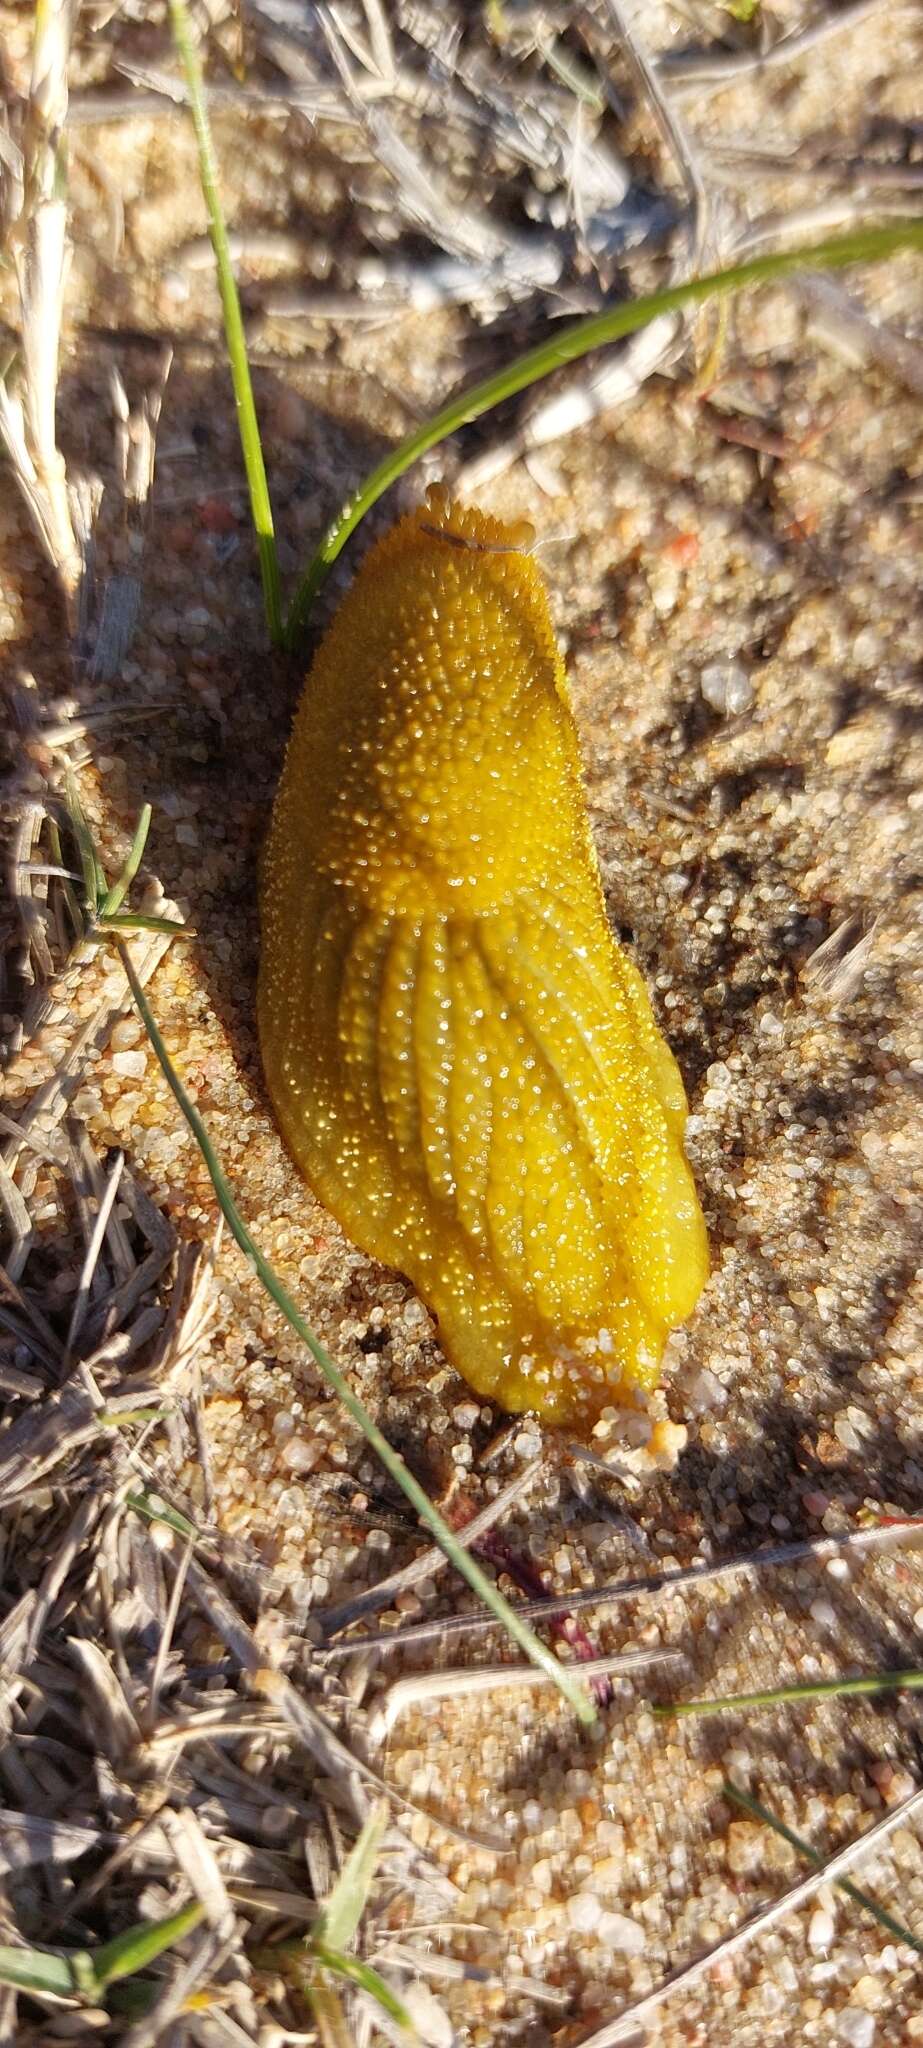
(448, 718)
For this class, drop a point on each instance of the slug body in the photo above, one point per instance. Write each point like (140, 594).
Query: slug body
(463, 1063)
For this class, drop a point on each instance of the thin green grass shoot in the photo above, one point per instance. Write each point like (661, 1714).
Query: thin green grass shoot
(67, 889)
(365, 1978)
(326, 1946)
(752, 1806)
(88, 1973)
(100, 908)
(38, 1970)
(152, 1509)
(115, 897)
(862, 245)
(783, 1695)
(125, 1418)
(138, 1946)
(339, 1920)
(251, 446)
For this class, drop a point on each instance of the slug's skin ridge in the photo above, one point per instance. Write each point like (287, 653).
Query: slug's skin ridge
(463, 1063)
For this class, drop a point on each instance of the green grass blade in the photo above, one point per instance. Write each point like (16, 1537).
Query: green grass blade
(137, 921)
(57, 855)
(126, 1416)
(88, 1972)
(566, 1681)
(862, 245)
(94, 880)
(362, 1974)
(115, 896)
(825, 1688)
(844, 1884)
(260, 507)
(34, 1969)
(152, 1509)
(138, 1946)
(343, 1911)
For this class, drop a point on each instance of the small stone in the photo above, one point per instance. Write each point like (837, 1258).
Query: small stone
(855, 2028)
(821, 1930)
(824, 1613)
(867, 648)
(668, 1441)
(893, 1782)
(745, 1847)
(616, 1931)
(130, 1066)
(584, 1912)
(664, 589)
(126, 1032)
(300, 1455)
(704, 1391)
(726, 686)
(465, 1415)
(845, 1433)
(869, 1992)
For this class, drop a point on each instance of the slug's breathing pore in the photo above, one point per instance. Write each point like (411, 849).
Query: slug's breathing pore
(464, 1064)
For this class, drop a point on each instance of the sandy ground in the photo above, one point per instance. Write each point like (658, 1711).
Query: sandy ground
(733, 845)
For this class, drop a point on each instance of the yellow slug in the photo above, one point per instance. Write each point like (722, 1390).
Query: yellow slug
(464, 1064)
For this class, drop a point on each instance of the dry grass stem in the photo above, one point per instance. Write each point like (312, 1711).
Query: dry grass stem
(819, 1550)
(463, 1682)
(36, 225)
(695, 73)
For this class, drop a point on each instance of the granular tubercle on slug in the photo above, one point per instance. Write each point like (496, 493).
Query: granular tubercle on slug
(463, 1062)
